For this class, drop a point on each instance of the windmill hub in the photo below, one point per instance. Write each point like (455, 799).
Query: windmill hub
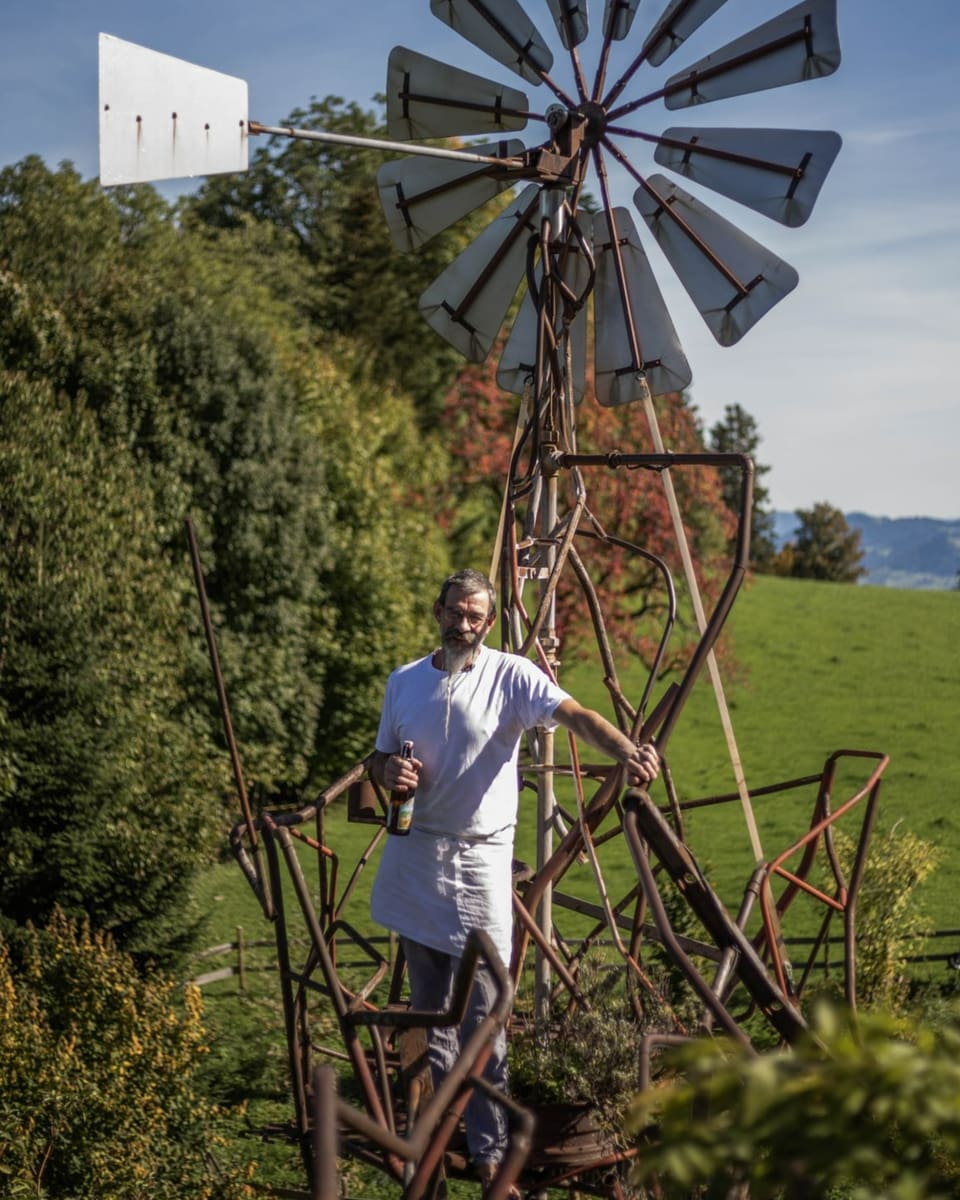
(594, 117)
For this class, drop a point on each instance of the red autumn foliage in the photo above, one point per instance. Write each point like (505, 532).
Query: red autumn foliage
(630, 505)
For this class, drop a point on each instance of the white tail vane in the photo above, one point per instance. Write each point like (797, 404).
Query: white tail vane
(162, 118)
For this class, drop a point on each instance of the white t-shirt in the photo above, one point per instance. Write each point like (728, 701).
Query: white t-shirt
(453, 873)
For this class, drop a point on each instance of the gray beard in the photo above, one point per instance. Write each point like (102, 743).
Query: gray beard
(457, 657)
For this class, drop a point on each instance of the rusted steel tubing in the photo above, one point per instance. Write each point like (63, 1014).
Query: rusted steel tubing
(509, 166)
(295, 1061)
(647, 1043)
(771, 911)
(671, 591)
(572, 842)
(849, 919)
(742, 289)
(746, 160)
(523, 1123)
(362, 861)
(645, 930)
(532, 929)
(345, 1018)
(643, 821)
(439, 1118)
(245, 809)
(663, 27)
(550, 587)
(769, 790)
(696, 980)
(694, 77)
(325, 1181)
(741, 556)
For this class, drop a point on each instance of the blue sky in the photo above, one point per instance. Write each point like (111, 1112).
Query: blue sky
(852, 378)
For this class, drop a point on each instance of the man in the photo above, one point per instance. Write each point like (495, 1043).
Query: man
(465, 707)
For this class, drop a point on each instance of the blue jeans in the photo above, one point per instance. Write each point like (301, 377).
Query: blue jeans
(431, 974)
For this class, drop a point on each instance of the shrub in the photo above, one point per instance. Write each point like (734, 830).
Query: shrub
(866, 1108)
(99, 1072)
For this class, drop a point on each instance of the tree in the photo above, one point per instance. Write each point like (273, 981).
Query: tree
(148, 373)
(479, 420)
(103, 766)
(191, 347)
(825, 547)
(737, 433)
(354, 281)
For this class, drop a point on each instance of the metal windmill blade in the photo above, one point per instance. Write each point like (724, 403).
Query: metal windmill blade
(800, 44)
(501, 29)
(777, 172)
(680, 19)
(570, 18)
(635, 338)
(731, 278)
(467, 302)
(431, 99)
(421, 199)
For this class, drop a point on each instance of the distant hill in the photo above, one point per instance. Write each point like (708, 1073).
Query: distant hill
(903, 552)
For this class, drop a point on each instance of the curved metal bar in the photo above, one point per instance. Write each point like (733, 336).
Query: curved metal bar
(643, 821)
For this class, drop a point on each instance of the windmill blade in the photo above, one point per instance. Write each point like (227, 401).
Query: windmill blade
(633, 329)
(802, 43)
(519, 358)
(467, 303)
(427, 98)
(163, 118)
(679, 20)
(422, 197)
(570, 18)
(777, 172)
(618, 17)
(732, 280)
(501, 29)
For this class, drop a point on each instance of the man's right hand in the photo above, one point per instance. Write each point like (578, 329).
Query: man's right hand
(398, 773)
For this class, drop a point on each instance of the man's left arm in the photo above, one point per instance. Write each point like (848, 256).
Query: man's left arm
(641, 762)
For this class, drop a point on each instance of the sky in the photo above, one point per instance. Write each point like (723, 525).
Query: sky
(852, 378)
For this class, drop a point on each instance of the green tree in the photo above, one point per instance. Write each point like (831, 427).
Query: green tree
(825, 547)
(191, 347)
(103, 764)
(737, 433)
(355, 283)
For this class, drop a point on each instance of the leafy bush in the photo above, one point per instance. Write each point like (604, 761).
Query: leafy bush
(889, 922)
(590, 1053)
(99, 1071)
(864, 1108)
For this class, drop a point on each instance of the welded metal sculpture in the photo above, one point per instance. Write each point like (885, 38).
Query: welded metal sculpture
(574, 262)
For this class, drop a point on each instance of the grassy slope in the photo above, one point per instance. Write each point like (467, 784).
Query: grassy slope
(823, 667)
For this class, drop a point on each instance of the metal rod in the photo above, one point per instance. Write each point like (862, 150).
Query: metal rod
(365, 143)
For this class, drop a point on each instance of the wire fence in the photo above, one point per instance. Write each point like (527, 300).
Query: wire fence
(241, 951)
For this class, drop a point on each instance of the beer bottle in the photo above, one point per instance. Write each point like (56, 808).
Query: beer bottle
(400, 811)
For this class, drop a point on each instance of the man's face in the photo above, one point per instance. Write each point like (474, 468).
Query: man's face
(464, 620)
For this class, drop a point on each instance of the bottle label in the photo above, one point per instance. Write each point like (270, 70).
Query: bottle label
(400, 814)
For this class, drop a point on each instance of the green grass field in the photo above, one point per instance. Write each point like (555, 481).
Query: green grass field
(821, 667)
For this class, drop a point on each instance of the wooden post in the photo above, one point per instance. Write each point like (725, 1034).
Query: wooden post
(241, 959)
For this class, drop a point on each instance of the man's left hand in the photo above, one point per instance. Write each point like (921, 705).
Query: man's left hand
(643, 765)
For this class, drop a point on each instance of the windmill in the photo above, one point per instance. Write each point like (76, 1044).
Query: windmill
(578, 260)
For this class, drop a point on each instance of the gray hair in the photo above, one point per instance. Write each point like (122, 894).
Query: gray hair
(469, 582)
